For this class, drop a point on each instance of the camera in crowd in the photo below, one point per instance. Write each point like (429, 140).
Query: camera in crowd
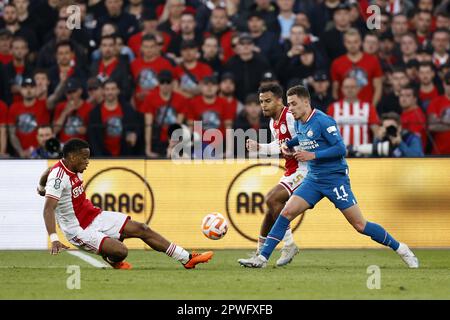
(379, 147)
(54, 148)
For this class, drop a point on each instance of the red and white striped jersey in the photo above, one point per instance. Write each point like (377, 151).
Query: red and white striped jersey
(73, 210)
(354, 120)
(282, 130)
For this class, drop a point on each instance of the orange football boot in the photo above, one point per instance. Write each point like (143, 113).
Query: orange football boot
(121, 265)
(198, 258)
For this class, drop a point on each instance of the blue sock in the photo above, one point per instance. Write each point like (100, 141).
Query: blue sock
(275, 235)
(378, 234)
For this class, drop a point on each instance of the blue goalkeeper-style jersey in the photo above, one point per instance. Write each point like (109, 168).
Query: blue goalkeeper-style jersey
(320, 134)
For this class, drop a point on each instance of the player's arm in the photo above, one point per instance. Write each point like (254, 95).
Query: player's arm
(50, 225)
(43, 182)
(330, 132)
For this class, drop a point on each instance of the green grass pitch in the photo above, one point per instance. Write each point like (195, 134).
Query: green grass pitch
(314, 274)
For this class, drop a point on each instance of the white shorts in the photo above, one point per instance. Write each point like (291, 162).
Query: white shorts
(293, 181)
(107, 224)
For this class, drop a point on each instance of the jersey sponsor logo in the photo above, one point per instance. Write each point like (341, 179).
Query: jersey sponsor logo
(245, 198)
(123, 190)
(77, 191)
(26, 123)
(283, 128)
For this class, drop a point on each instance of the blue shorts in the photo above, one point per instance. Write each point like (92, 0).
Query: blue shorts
(335, 187)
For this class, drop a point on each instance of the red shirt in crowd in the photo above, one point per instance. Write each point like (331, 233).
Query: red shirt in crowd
(136, 40)
(3, 113)
(26, 120)
(212, 115)
(414, 120)
(5, 58)
(225, 44)
(364, 71)
(200, 71)
(145, 74)
(106, 71)
(426, 98)
(113, 122)
(440, 107)
(165, 113)
(78, 118)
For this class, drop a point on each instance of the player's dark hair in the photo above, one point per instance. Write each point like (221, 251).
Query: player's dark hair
(73, 146)
(398, 69)
(275, 88)
(299, 91)
(110, 81)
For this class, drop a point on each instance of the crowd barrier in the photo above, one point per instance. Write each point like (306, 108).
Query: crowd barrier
(409, 197)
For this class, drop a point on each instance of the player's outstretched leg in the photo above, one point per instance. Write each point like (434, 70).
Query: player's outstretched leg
(275, 201)
(379, 234)
(157, 242)
(291, 210)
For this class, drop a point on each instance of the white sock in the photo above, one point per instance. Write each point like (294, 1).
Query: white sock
(288, 238)
(178, 253)
(261, 241)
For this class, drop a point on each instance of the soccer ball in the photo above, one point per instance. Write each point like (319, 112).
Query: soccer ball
(214, 226)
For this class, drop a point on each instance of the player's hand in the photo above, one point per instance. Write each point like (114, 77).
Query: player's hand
(41, 191)
(286, 151)
(57, 247)
(304, 156)
(252, 145)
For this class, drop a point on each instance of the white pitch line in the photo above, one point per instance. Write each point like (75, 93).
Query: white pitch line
(85, 257)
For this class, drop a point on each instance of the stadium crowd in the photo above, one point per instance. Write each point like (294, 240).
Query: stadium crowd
(131, 72)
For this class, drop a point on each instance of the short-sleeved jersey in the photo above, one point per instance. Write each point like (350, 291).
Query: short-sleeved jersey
(317, 133)
(283, 130)
(74, 210)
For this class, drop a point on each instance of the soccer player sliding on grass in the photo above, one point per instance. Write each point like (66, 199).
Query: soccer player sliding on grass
(322, 147)
(89, 227)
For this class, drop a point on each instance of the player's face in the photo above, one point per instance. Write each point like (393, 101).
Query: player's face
(297, 106)
(269, 104)
(80, 160)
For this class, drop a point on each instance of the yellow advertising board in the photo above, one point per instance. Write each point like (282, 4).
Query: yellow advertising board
(409, 197)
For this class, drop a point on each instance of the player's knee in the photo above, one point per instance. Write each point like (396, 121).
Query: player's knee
(121, 252)
(144, 230)
(288, 213)
(272, 202)
(359, 226)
